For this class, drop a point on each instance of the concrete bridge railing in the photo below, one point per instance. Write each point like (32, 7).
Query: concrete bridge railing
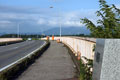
(79, 45)
(9, 39)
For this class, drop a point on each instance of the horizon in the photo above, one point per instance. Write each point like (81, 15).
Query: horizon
(55, 31)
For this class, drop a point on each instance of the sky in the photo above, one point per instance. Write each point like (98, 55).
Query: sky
(34, 16)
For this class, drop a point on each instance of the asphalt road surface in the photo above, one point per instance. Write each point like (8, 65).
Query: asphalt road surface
(13, 52)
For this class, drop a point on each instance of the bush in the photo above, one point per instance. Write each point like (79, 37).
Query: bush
(85, 69)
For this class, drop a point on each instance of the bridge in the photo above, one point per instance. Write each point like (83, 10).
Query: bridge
(59, 62)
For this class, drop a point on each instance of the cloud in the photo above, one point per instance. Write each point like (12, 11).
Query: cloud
(73, 23)
(41, 21)
(10, 16)
(16, 16)
(5, 22)
(68, 19)
(22, 10)
(53, 22)
(118, 6)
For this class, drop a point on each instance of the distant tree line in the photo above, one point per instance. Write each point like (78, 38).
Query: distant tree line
(38, 36)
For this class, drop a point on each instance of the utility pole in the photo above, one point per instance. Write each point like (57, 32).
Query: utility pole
(18, 30)
(59, 22)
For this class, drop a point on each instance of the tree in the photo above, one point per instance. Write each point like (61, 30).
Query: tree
(109, 24)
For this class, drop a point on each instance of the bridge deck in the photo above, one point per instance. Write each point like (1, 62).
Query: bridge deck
(54, 64)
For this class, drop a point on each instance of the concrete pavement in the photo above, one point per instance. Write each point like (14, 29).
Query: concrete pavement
(54, 64)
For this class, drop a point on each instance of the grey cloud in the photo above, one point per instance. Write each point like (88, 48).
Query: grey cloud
(35, 19)
(24, 10)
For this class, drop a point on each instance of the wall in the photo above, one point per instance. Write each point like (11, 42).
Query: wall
(79, 45)
(10, 39)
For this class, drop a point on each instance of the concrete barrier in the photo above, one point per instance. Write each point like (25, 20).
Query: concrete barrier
(9, 39)
(106, 65)
(79, 45)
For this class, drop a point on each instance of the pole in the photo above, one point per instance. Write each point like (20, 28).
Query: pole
(59, 14)
(60, 29)
(18, 26)
(60, 23)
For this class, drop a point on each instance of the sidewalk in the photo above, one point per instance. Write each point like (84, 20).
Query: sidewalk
(54, 64)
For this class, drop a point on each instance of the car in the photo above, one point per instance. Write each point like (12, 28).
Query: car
(29, 39)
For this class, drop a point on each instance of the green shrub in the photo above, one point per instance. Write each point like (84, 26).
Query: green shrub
(85, 69)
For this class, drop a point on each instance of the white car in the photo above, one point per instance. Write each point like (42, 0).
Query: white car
(29, 39)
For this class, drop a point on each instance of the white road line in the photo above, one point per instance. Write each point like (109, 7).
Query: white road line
(22, 58)
(10, 49)
(13, 48)
(17, 46)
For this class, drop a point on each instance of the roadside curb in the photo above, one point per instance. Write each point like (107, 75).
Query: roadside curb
(15, 69)
(74, 58)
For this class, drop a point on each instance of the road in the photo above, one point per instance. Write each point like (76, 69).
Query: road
(13, 52)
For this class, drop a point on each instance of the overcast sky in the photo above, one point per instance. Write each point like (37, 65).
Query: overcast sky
(36, 15)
